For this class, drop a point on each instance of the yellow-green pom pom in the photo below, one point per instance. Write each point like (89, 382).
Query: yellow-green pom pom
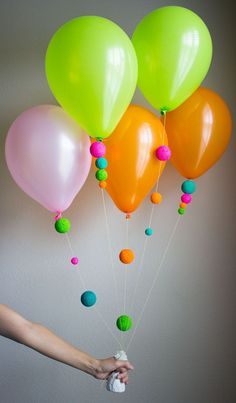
(101, 175)
(124, 323)
(62, 225)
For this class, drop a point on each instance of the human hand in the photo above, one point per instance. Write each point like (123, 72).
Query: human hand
(106, 366)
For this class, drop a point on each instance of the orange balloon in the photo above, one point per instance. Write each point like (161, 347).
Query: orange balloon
(133, 167)
(198, 132)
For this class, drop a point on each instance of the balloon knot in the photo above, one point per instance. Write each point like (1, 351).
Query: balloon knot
(163, 111)
(59, 215)
(128, 216)
(99, 138)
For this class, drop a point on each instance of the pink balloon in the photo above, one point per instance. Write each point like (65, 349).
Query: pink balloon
(48, 156)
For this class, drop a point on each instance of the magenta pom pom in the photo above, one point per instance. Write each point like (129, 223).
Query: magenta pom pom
(97, 149)
(163, 153)
(186, 198)
(74, 260)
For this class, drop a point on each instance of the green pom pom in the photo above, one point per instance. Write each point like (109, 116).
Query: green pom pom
(62, 225)
(101, 175)
(124, 323)
(188, 187)
(181, 211)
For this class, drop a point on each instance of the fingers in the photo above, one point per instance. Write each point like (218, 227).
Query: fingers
(124, 364)
(123, 377)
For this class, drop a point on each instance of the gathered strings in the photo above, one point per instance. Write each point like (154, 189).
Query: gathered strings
(154, 281)
(141, 264)
(85, 288)
(110, 249)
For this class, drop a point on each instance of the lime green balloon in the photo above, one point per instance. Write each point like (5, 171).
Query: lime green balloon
(91, 67)
(174, 51)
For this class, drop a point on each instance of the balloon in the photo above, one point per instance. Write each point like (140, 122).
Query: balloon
(198, 132)
(47, 154)
(174, 51)
(91, 67)
(133, 168)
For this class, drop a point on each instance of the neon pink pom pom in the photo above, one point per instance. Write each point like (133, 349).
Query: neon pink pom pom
(186, 198)
(97, 149)
(163, 153)
(74, 260)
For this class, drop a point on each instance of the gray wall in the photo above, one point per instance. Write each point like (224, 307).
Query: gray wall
(183, 351)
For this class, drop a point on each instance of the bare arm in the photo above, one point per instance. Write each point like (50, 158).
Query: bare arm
(39, 338)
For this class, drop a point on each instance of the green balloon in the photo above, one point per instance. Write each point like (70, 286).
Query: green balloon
(91, 68)
(174, 51)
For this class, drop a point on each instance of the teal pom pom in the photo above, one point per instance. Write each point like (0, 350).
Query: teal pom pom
(148, 231)
(101, 163)
(88, 298)
(188, 187)
(62, 225)
(101, 175)
(181, 211)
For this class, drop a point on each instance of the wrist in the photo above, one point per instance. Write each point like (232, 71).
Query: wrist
(88, 364)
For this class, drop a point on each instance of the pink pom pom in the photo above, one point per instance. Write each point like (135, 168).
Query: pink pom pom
(186, 198)
(97, 149)
(163, 153)
(74, 260)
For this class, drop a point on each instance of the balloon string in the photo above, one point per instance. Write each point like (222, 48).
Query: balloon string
(140, 269)
(108, 327)
(154, 280)
(110, 249)
(85, 288)
(125, 268)
(72, 252)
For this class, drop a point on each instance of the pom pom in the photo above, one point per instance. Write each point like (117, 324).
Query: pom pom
(148, 231)
(74, 260)
(102, 184)
(62, 225)
(188, 187)
(88, 298)
(186, 198)
(126, 256)
(163, 153)
(124, 323)
(101, 163)
(181, 211)
(97, 149)
(101, 175)
(156, 198)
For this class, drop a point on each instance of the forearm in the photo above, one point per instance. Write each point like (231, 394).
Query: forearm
(39, 338)
(47, 343)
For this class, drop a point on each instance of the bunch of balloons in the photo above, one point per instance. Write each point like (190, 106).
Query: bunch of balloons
(92, 68)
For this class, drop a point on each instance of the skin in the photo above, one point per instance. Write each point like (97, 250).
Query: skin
(41, 339)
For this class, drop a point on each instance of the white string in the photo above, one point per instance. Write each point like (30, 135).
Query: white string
(72, 252)
(125, 268)
(154, 280)
(108, 327)
(110, 248)
(140, 267)
(85, 288)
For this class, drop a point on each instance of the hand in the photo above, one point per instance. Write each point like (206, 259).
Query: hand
(107, 366)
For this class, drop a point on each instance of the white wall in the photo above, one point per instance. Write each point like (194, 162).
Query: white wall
(183, 351)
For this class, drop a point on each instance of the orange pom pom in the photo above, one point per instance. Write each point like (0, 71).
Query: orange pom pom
(156, 198)
(183, 205)
(126, 256)
(102, 184)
